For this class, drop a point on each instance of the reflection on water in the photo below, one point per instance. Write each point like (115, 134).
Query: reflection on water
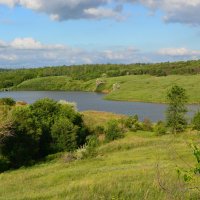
(94, 101)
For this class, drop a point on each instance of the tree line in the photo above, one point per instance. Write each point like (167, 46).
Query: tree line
(9, 78)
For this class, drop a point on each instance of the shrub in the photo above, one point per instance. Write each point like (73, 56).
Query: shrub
(147, 125)
(113, 131)
(7, 101)
(4, 164)
(196, 121)
(160, 128)
(99, 130)
(64, 135)
(40, 129)
(91, 146)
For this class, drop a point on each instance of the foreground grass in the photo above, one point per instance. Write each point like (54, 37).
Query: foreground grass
(123, 169)
(142, 88)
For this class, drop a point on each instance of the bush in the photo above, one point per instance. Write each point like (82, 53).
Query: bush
(91, 146)
(40, 129)
(160, 128)
(64, 135)
(147, 125)
(196, 121)
(4, 164)
(130, 122)
(7, 101)
(99, 130)
(113, 131)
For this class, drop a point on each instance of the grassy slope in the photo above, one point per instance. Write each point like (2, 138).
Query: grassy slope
(143, 88)
(124, 169)
(54, 83)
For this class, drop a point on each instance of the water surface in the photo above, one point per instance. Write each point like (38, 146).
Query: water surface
(95, 101)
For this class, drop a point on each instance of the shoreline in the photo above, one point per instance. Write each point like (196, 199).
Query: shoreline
(104, 98)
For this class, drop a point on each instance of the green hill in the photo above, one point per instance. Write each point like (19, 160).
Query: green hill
(145, 88)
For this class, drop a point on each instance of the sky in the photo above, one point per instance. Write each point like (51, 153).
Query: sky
(35, 33)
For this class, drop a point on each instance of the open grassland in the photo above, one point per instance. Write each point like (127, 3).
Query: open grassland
(142, 88)
(96, 118)
(53, 83)
(124, 169)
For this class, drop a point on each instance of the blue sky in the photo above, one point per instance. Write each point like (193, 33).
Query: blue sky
(42, 33)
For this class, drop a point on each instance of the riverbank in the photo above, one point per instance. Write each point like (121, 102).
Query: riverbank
(133, 88)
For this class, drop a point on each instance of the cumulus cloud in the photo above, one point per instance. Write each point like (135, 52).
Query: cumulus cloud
(69, 9)
(179, 52)
(28, 52)
(182, 11)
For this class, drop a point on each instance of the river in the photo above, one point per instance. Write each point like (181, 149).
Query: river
(95, 101)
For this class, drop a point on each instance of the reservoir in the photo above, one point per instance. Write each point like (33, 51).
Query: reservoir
(94, 101)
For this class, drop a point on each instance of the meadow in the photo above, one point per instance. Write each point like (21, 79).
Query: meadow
(135, 167)
(124, 169)
(140, 88)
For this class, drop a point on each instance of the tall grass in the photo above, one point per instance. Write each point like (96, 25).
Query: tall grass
(123, 169)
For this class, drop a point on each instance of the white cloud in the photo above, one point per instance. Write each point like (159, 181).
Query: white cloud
(179, 52)
(28, 52)
(25, 43)
(182, 11)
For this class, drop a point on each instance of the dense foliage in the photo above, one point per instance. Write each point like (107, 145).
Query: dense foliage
(36, 130)
(177, 109)
(11, 78)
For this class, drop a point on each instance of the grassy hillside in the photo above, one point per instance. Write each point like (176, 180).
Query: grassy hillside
(143, 88)
(54, 83)
(14, 77)
(123, 169)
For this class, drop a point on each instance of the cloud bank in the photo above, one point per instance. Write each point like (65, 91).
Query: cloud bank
(27, 52)
(181, 11)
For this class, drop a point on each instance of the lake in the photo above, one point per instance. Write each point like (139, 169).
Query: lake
(95, 101)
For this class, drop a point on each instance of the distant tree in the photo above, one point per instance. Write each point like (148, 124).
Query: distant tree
(177, 109)
(196, 121)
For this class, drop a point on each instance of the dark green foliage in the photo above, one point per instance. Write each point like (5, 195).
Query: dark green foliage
(196, 121)
(7, 101)
(4, 164)
(64, 134)
(177, 109)
(160, 128)
(113, 131)
(19, 149)
(40, 129)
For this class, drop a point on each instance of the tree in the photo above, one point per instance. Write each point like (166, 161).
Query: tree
(64, 135)
(36, 130)
(177, 109)
(113, 131)
(196, 121)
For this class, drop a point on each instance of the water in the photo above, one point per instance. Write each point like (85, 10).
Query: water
(94, 101)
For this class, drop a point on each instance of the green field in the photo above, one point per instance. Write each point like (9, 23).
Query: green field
(142, 88)
(123, 169)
